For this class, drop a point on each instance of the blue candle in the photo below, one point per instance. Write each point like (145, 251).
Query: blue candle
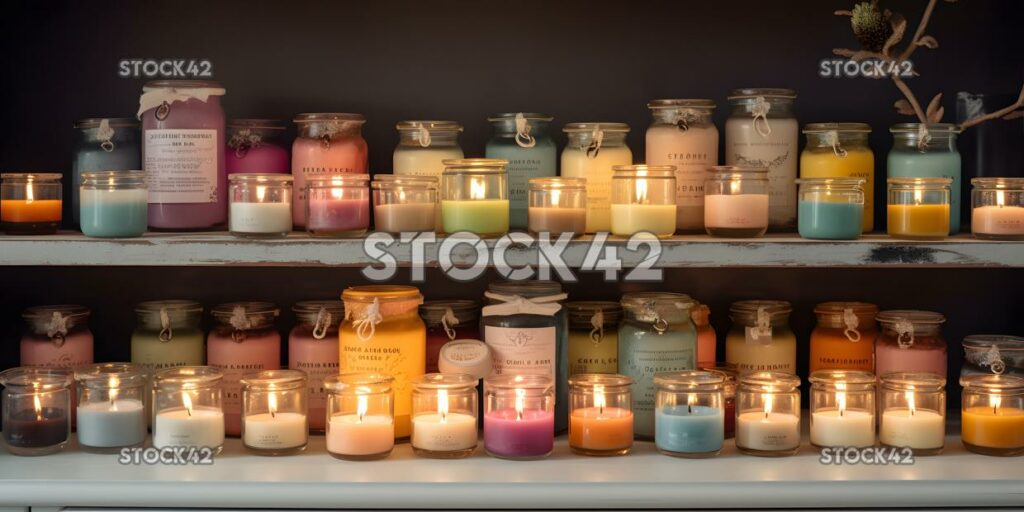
(523, 140)
(827, 220)
(686, 429)
(104, 145)
(114, 204)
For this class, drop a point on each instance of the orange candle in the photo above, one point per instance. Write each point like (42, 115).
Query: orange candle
(28, 210)
(601, 429)
(993, 427)
(844, 338)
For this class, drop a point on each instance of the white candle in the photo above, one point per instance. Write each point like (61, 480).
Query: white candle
(772, 431)
(997, 220)
(268, 218)
(736, 211)
(846, 428)
(659, 219)
(920, 430)
(198, 427)
(270, 431)
(360, 435)
(444, 433)
(120, 422)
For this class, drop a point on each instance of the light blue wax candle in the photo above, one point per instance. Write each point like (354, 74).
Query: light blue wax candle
(112, 147)
(827, 220)
(687, 429)
(114, 213)
(530, 153)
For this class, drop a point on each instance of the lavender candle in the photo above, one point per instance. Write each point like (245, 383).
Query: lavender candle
(338, 205)
(519, 419)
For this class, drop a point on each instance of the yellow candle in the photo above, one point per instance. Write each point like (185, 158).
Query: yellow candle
(858, 163)
(927, 221)
(993, 427)
(28, 210)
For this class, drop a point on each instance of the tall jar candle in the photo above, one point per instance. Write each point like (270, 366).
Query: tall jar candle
(831, 208)
(313, 348)
(928, 151)
(111, 412)
(768, 414)
(474, 196)
(524, 139)
(643, 200)
(36, 410)
(404, 204)
(57, 337)
(593, 336)
(992, 415)
(736, 201)
(30, 203)
(912, 407)
(997, 208)
(256, 145)
(689, 413)
(842, 409)
(338, 205)
(113, 204)
(593, 149)
(557, 206)
(600, 414)
(168, 334)
(448, 320)
(423, 146)
(918, 208)
(327, 143)
(844, 338)
(444, 416)
(707, 339)
(910, 341)
(360, 416)
(274, 412)
(519, 416)
(841, 151)
(683, 135)
(188, 408)
(760, 338)
(104, 144)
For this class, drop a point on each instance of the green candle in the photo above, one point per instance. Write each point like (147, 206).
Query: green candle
(484, 217)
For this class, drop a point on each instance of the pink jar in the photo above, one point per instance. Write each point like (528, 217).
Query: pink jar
(57, 337)
(243, 340)
(183, 154)
(313, 348)
(256, 146)
(910, 341)
(448, 320)
(326, 144)
(707, 341)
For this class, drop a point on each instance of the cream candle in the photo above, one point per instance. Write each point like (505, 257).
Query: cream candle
(768, 431)
(423, 146)
(838, 427)
(261, 218)
(275, 405)
(360, 435)
(593, 150)
(398, 218)
(768, 419)
(998, 208)
(998, 220)
(643, 200)
(918, 429)
(659, 219)
(189, 426)
(275, 430)
(360, 415)
(740, 211)
(842, 408)
(444, 432)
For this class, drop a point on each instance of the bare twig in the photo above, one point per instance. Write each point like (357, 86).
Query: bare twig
(907, 93)
(921, 26)
(994, 115)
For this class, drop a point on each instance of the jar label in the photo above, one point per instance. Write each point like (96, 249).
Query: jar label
(524, 351)
(776, 151)
(181, 166)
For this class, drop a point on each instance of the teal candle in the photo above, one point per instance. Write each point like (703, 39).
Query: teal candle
(687, 429)
(103, 145)
(826, 220)
(526, 144)
(114, 213)
(940, 159)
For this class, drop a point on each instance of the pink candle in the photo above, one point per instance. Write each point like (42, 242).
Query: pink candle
(315, 157)
(891, 358)
(508, 435)
(997, 220)
(267, 157)
(257, 350)
(736, 211)
(332, 216)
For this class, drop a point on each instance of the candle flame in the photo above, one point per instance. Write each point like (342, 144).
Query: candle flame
(768, 399)
(910, 402)
(556, 197)
(442, 404)
(1000, 198)
(691, 399)
(336, 190)
(641, 188)
(734, 186)
(30, 192)
(918, 196)
(187, 402)
(841, 397)
(113, 383)
(39, 407)
(599, 399)
(361, 407)
(995, 401)
(272, 404)
(477, 189)
(401, 196)
(520, 403)
(261, 192)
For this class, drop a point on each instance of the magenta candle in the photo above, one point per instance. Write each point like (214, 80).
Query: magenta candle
(910, 341)
(326, 144)
(313, 348)
(519, 418)
(338, 206)
(256, 146)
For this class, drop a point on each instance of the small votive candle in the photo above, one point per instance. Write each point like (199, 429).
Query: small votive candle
(519, 416)
(261, 205)
(997, 208)
(831, 208)
(736, 201)
(275, 408)
(114, 204)
(36, 406)
(600, 414)
(842, 409)
(992, 418)
(111, 412)
(188, 408)
(689, 414)
(768, 414)
(360, 416)
(557, 205)
(337, 205)
(918, 208)
(404, 204)
(30, 203)
(913, 412)
(444, 412)
(474, 196)
(644, 200)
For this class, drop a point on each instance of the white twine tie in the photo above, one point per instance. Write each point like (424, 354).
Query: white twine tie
(597, 322)
(595, 144)
(162, 99)
(57, 328)
(165, 326)
(448, 322)
(762, 331)
(240, 321)
(924, 137)
(994, 360)
(904, 333)
(852, 322)
(322, 323)
(517, 305)
(760, 110)
(832, 139)
(424, 136)
(105, 133)
(366, 325)
(523, 137)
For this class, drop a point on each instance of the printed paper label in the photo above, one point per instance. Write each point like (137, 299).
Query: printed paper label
(523, 351)
(181, 166)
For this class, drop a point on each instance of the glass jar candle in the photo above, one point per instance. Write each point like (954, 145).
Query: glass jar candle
(844, 338)
(274, 411)
(600, 414)
(111, 412)
(244, 339)
(405, 203)
(113, 204)
(768, 414)
(474, 196)
(261, 205)
(30, 203)
(707, 339)
(762, 131)
(736, 202)
(644, 200)
(910, 341)
(338, 205)
(524, 139)
(188, 408)
(591, 153)
(423, 146)
(593, 336)
(167, 334)
(992, 417)
(918, 208)
(448, 320)
(519, 416)
(993, 354)
(842, 409)
(558, 205)
(36, 410)
(57, 337)
(728, 373)
(327, 143)
(912, 407)
(927, 152)
(831, 208)
(840, 151)
(183, 145)
(383, 333)
(104, 144)
(689, 414)
(683, 135)
(360, 416)
(444, 412)
(313, 348)
(256, 146)
(997, 208)
(656, 334)
(760, 338)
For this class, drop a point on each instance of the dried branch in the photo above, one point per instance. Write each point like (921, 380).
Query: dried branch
(935, 110)
(858, 55)
(921, 26)
(1008, 110)
(907, 93)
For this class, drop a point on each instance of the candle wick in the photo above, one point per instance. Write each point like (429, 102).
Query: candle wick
(995, 410)
(189, 411)
(273, 414)
(519, 415)
(689, 408)
(766, 415)
(840, 413)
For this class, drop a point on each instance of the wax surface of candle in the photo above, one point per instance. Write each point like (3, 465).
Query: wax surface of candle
(847, 428)
(998, 220)
(824, 220)
(601, 428)
(409, 217)
(856, 163)
(109, 424)
(457, 431)
(36, 429)
(21, 210)
(768, 432)
(911, 163)
(659, 219)
(1001, 427)
(922, 429)
(736, 210)
(338, 215)
(689, 429)
(918, 220)
(483, 217)
(279, 430)
(598, 172)
(557, 220)
(506, 434)
(268, 218)
(198, 427)
(350, 434)
(114, 213)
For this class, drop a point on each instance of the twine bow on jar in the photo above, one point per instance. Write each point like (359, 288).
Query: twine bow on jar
(241, 323)
(105, 134)
(366, 324)
(523, 137)
(904, 333)
(832, 139)
(322, 323)
(424, 136)
(597, 137)
(994, 360)
(597, 324)
(760, 110)
(243, 140)
(851, 322)
(448, 322)
(57, 329)
(762, 331)
(518, 305)
(924, 137)
(684, 118)
(166, 333)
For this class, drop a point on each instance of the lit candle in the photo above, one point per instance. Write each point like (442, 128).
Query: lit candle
(558, 206)
(993, 429)
(339, 205)
(1001, 219)
(768, 431)
(640, 211)
(911, 427)
(918, 208)
(601, 429)
(519, 433)
(275, 430)
(841, 426)
(444, 431)
(189, 426)
(689, 429)
(260, 216)
(111, 423)
(360, 434)
(31, 203)
(478, 214)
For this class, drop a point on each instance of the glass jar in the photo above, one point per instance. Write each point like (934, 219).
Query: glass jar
(313, 348)
(327, 143)
(36, 410)
(244, 339)
(423, 146)
(831, 208)
(689, 413)
(188, 408)
(928, 152)
(707, 339)
(593, 336)
(558, 205)
(600, 414)
(762, 132)
(682, 134)
(842, 409)
(274, 412)
(768, 414)
(760, 338)
(57, 337)
(656, 335)
(729, 376)
(992, 415)
(997, 208)
(910, 341)
(405, 203)
(360, 416)
(844, 338)
(912, 407)
(840, 151)
(261, 205)
(519, 416)
(448, 320)
(103, 144)
(736, 202)
(524, 139)
(644, 200)
(113, 204)
(167, 334)
(111, 412)
(30, 203)
(993, 353)
(444, 412)
(918, 208)
(183, 153)
(257, 146)
(474, 196)
(338, 205)
(383, 333)
(593, 149)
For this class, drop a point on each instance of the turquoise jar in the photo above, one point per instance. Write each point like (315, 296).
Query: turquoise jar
(831, 208)
(114, 204)
(928, 151)
(104, 145)
(524, 140)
